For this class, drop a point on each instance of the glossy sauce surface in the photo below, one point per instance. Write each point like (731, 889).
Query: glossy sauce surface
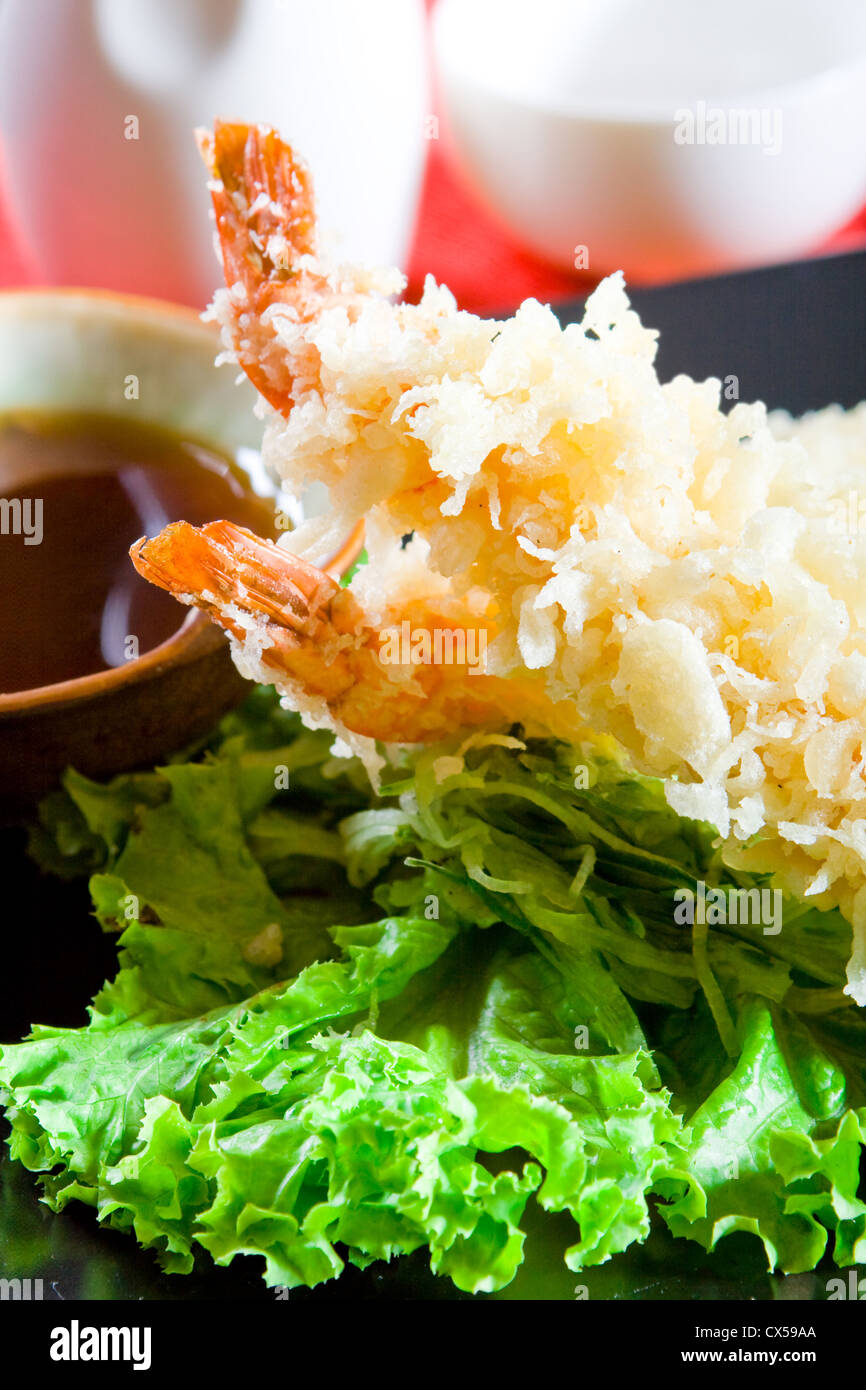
(75, 492)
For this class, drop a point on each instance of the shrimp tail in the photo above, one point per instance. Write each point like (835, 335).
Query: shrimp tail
(296, 627)
(262, 197)
(218, 564)
(294, 617)
(263, 202)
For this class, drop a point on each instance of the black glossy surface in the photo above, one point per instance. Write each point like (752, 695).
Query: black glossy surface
(793, 335)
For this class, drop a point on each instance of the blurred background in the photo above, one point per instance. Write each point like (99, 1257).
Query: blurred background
(507, 147)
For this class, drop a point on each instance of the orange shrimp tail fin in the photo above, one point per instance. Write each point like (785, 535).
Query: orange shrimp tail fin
(262, 197)
(225, 569)
(263, 202)
(298, 616)
(310, 635)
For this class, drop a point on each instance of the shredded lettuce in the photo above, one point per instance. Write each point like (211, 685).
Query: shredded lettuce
(346, 1027)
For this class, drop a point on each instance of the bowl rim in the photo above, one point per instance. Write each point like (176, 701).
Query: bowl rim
(193, 632)
(180, 644)
(162, 308)
(645, 114)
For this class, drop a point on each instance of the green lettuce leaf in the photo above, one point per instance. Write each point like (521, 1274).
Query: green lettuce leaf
(284, 1126)
(775, 1150)
(348, 1026)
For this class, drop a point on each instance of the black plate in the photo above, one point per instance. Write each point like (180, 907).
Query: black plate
(794, 336)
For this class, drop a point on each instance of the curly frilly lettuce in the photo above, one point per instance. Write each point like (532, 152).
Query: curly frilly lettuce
(344, 1028)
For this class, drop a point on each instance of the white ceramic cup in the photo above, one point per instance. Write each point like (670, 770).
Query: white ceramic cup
(666, 139)
(104, 201)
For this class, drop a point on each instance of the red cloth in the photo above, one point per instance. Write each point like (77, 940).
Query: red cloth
(461, 246)
(15, 265)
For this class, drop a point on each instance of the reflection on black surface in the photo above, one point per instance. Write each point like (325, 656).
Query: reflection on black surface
(78, 1260)
(791, 334)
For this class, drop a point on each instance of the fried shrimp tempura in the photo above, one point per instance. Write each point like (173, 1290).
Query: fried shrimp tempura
(634, 562)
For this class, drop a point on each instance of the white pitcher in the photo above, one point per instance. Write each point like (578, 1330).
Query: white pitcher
(99, 98)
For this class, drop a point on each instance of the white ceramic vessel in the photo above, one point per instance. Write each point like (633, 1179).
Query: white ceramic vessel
(344, 81)
(664, 138)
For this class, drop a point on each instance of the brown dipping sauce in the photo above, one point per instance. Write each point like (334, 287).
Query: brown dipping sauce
(75, 492)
